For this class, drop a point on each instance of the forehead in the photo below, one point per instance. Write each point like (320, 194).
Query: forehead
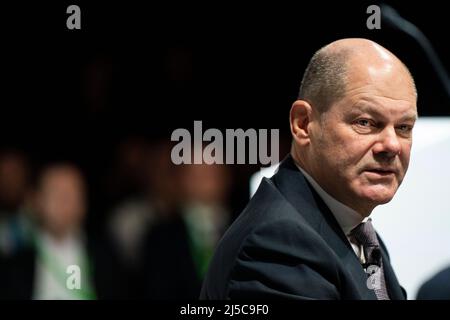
(384, 92)
(57, 177)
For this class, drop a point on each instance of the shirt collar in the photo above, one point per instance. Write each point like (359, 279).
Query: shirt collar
(346, 217)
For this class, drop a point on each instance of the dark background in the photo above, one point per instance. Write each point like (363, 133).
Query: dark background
(145, 70)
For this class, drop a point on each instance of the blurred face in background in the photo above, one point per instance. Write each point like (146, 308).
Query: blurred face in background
(61, 199)
(13, 180)
(203, 183)
(161, 172)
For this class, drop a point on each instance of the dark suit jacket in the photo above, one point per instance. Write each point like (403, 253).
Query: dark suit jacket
(287, 244)
(169, 269)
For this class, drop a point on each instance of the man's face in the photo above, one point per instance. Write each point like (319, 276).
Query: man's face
(62, 200)
(361, 145)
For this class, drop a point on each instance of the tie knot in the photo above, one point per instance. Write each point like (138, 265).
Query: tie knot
(365, 234)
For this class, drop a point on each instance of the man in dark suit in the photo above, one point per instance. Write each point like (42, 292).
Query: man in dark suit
(306, 233)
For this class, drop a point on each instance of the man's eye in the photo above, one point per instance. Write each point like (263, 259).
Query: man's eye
(405, 128)
(363, 122)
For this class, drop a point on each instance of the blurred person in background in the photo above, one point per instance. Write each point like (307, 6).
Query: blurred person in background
(125, 179)
(178, 251)
(59, 241)
(153, 200)
(14, 188)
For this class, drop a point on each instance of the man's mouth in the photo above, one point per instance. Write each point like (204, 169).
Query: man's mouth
(380, 172)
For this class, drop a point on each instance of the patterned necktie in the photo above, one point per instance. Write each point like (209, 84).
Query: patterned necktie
(365, 235)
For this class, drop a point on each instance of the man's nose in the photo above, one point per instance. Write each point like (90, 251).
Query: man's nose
(388, 143)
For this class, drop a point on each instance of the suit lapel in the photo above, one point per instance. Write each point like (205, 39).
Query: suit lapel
(332, 233)
(393, 287)
(292, 184)
(334, 236)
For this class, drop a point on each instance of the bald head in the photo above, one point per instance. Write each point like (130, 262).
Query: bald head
(333, 69)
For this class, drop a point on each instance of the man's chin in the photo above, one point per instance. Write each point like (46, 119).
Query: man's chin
(378, 196)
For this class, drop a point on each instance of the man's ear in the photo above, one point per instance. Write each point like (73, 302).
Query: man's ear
(300, 117)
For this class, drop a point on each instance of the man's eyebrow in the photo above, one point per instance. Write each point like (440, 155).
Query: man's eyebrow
(411, 116)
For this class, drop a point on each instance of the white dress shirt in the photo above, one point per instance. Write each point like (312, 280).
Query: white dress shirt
(51, 285)
(346, 217)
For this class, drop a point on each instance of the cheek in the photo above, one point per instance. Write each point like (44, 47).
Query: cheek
(405, 156)
(341, 150)
(404, 159)
(346, 157)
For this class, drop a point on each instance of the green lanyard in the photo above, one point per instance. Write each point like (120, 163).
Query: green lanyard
(201, 252)
(58, 271)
